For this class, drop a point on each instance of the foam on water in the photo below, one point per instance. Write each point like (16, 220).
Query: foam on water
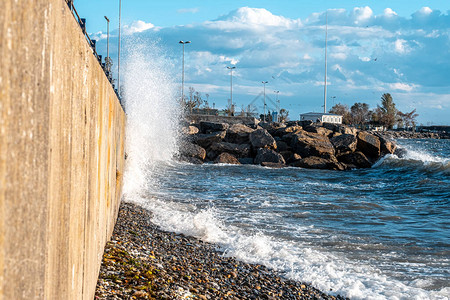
(329, 272)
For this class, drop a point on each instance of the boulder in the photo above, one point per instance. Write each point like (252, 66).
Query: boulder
(315, 162)
(340, 128)
(260, 138)
(355, 160)
(268, 155)
(283, 131)
(209, 127)
(369, 144)
(206, 140)
(235, 149)
(226, 158)
(282, 146)
(344, 143)
(312, 144)
(319, 130)
(238, 134)
(387, 146)
(192, 150)
(290, 157)
(189, 130)
(401, 152)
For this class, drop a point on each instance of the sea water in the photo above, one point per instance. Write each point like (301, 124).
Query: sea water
(378, 233)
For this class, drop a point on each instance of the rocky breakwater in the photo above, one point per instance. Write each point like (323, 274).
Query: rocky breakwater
(297, 144)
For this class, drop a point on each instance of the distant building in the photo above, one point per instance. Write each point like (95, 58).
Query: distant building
(321, 117)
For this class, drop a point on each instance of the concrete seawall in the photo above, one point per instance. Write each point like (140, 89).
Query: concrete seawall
(61, 154)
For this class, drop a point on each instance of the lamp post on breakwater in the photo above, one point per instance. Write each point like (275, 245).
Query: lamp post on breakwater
(182, 72)
(278, 106)
(231, 84)
(264, 83)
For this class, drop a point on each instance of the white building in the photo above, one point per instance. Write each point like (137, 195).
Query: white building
(321, 117)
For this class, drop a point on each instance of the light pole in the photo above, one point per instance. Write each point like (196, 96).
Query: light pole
(118, 51)
(107, 59)
(264, 83)
(278, 106)
(182, 72)
(325, 86)
(231, 82)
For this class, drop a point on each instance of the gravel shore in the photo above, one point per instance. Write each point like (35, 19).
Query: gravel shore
(143, 262)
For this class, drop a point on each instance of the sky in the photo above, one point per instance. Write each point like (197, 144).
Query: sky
(374, 47)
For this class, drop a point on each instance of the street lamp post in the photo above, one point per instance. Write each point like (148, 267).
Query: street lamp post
(118, 50)
(264, 83)
(278, 106)
(231, 83)
(107, 59)
(182, 72)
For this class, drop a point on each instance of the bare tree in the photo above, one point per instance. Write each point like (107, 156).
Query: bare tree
(284, 115)
(342, 110)
(360, 113)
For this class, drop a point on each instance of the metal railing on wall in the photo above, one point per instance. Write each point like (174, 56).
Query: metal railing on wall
(106, 66)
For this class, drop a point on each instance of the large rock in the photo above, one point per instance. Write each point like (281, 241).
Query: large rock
(238, 134)
(227, 158)
(340, 128)
(355, 160)
(268, 155)
(319, 130)
(369, 144)
(283, 131)
(209, 127)
(235, 149)
(192, 150)
(189, 130)
(282, 146)
(312, 144)
(387, 146)
(260, 138)
(344, 143)
(206, 140)
(315, 162)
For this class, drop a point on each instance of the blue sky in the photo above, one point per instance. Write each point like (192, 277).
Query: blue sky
(374, 47)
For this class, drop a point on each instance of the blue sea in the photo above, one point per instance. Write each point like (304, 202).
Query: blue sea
(379, 233)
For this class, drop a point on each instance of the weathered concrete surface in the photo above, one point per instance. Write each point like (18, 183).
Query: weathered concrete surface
(61, 154)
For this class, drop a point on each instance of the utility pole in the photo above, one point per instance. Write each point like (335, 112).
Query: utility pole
(325, 87)
(231, 83)
(118, 51)
(182, 72)
(278, 106)
(264, 83)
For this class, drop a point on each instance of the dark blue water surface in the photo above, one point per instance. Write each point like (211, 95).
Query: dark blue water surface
(383, 231)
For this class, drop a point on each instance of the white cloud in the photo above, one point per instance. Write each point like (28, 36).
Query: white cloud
(362, 14)
(401, 86)
(255, 17)
(137, 26)
(400, 46)
(388, 12)
(425, 10)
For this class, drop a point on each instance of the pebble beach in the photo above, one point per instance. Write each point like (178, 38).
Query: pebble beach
(144, 262)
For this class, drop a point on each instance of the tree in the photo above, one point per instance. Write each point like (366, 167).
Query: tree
(407, 119)
(388, 111)
(360, 113)
(284, 115)
(194, 100)
(342, 110)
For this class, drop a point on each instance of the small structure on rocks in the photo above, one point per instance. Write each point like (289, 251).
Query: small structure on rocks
(297, 144)
(322, 117)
